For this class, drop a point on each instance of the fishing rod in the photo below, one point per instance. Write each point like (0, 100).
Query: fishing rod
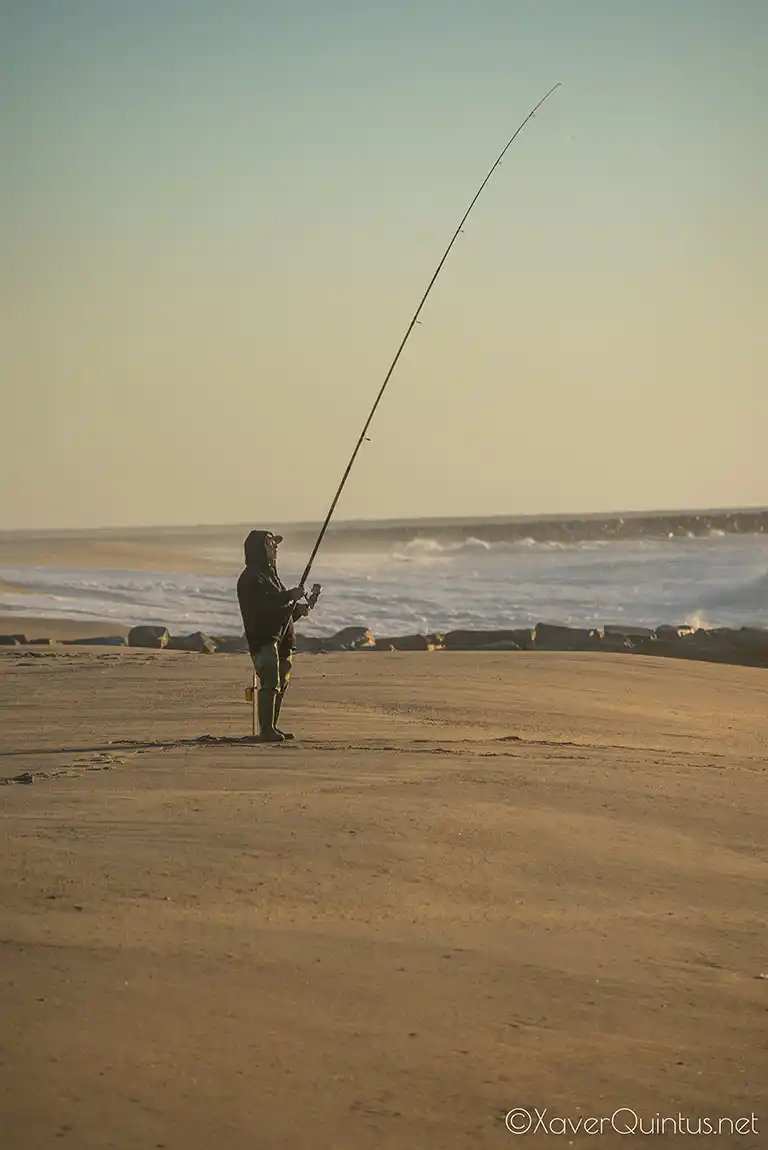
(405, 338)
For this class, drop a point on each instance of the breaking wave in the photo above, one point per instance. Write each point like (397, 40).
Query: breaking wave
(421, 549)
(751, 597)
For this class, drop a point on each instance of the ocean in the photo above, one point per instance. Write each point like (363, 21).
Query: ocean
(400, 578)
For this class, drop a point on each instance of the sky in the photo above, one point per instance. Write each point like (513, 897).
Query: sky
(219, 216)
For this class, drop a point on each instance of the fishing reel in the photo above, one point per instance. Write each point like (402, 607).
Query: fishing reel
(313, 595)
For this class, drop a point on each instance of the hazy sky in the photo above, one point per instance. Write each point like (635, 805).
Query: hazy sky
(221, 214)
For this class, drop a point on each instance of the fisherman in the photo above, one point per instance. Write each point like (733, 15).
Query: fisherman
(269, 612)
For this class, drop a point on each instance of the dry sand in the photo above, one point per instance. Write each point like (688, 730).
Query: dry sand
(479, 881)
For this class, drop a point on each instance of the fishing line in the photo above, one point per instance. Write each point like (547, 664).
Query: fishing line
(409, 329)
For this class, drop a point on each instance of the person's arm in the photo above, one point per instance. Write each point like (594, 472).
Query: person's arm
(263, 606)
(303, 609)
(273, 598)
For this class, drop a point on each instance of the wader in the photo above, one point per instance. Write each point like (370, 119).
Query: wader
(273, 669)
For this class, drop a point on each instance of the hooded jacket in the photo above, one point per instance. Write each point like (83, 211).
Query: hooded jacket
(264, 601)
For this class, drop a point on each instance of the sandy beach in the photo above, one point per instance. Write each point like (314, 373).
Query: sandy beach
(476, 882)
(507, 882)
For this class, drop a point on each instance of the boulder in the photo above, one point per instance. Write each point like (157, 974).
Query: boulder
(501, 645)
(722, 645)
(552, 637)
(672, 648)
(405, 643)
(747, 645)
(98, 641)
(615, 641)
(349, 639)
(478, 640)
(231, 644)
(628, 631)
(670, 634)
(148, 636)
(309, 644)
(700, 636)
(198, 641)
(750, 638)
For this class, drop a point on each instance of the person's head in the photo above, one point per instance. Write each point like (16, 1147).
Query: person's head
(271, 544)
(261, 549)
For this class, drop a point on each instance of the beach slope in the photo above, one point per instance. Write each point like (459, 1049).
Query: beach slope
(476, 882)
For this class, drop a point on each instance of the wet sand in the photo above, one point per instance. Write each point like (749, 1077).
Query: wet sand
(477, 882)
(163, 549)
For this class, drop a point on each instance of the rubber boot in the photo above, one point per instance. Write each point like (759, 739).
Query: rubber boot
(266, 714)
(278, 705)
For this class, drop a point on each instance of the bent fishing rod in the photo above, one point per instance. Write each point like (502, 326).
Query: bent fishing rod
(405, 338)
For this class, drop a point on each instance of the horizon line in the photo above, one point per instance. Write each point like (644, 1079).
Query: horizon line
(307, 524)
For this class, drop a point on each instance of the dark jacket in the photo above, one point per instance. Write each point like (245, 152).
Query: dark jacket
(264, 601)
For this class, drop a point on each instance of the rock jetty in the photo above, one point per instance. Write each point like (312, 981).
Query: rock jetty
(745, 646)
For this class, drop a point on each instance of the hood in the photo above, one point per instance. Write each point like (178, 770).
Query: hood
(256, 552)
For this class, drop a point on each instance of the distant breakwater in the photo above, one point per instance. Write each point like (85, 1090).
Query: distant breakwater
(384, 534)
(564, 529)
